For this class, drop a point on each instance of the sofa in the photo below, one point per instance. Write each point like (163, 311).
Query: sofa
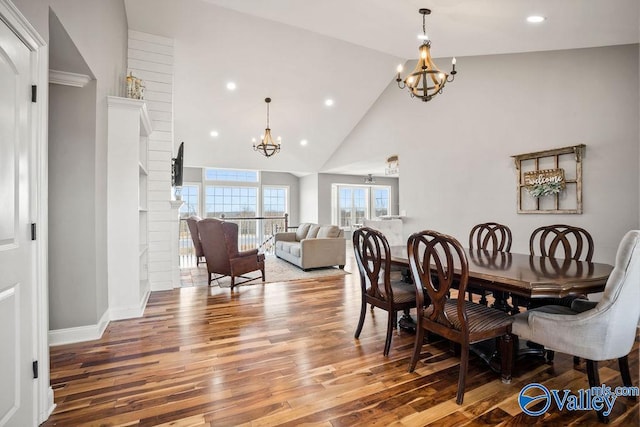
(312, 246)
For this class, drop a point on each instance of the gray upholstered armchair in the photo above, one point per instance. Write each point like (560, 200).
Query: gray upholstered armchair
(594, 331)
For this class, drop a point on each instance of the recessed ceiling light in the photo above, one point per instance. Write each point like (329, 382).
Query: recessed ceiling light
(214, 133)
(304, 142)
(231, 86)
(328, 102)
(535, 19)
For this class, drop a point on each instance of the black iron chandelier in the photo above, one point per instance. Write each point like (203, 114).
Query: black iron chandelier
(267, 146)
(426, 80)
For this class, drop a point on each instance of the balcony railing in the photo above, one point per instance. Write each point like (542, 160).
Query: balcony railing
(253, 233)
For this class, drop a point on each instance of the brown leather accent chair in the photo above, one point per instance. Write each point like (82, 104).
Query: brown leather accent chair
(192, 223)
(433, 257)
(374, 263)
(220, 246)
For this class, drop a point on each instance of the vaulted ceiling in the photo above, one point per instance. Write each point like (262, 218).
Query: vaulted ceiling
(301, 53)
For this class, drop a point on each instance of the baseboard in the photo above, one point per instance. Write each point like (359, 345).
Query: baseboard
(130, 312)
(44, 416)
(80, 333)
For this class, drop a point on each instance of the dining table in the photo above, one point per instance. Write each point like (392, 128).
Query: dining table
(525, 277)
(521, 277)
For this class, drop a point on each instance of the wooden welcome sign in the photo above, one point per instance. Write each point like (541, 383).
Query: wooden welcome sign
(544, 176)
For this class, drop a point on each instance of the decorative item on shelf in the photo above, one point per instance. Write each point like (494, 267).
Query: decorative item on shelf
(369, 179)
(426, 80)
(267, 147)
(393, 165)
(544, 182)
(135, 88)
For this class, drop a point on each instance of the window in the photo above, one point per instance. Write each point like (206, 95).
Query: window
(274, 201)
(231, 201)
(230, 175)
(353, 204)
(380, 201)
(191, 200)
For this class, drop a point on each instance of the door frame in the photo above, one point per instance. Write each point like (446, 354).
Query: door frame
(38, 117)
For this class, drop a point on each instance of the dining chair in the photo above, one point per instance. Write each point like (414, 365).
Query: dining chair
(192, 223)
(489, 236)
(595, 331)
(373, 257)
(434, 259)
(220, 246)
(559, 241)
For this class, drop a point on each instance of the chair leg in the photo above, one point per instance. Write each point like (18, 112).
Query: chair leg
(390, 322)
(417, 346)
(594, 381)
(263, 276)
(464, 365)
(506, 357)
(363, 312)
(623, 363)
(233, 281)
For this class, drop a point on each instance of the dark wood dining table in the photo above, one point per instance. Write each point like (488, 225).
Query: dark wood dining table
(523, 278)
(526, 276)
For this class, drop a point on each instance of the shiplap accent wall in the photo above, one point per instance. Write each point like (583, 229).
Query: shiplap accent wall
(150, 58)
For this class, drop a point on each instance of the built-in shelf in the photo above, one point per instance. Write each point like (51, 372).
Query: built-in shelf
(128, 130)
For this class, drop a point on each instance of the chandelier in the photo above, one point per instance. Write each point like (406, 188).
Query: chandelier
(369, 179)
(393, 165)
(267, 147)
(426, 80)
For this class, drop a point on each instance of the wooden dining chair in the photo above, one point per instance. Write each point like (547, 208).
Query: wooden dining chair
(433, 258)
(373, 257)
(563, 242)
(489, 236)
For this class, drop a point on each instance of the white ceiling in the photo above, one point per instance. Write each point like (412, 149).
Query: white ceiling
(301, 52)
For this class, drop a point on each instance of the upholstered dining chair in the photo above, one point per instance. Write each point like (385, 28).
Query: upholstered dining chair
(192, 223)
(433, 257)
(220, 247)
(489, 236)
(373, 257)
(595, 331)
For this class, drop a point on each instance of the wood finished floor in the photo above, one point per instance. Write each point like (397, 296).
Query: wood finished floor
(284, 354)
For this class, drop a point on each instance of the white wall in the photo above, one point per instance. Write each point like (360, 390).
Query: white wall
(308, 199)
(72, 239)
(150, 57)
(455, 164)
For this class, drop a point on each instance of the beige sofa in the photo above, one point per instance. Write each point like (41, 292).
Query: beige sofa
(312, 246)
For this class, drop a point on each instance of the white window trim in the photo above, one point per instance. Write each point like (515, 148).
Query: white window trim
(370, 208)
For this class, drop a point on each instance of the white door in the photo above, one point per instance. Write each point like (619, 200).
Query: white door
(16, 293)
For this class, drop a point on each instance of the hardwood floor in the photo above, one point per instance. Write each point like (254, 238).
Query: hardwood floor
(284, 354)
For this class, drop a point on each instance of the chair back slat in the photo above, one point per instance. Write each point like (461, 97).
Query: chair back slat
(434, 259)
(490, 236)
(562, 241)
(374, 261)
